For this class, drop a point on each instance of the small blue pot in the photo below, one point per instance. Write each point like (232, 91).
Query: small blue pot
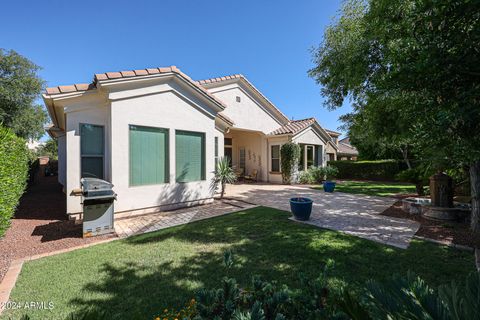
(329, 186)
(301, 208)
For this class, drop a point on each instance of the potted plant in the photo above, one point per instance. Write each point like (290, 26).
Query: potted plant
(329, 173)
(301, 208)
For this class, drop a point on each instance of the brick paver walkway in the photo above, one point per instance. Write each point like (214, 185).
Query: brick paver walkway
(126, 227)
(358, 215)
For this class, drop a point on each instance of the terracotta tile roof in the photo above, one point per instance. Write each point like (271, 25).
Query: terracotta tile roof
(128, 74)
(294, 126)
(219, 79)
(71, 88)
(206, 82)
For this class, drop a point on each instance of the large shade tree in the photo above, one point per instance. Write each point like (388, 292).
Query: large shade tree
(20, 86)
(412, 71)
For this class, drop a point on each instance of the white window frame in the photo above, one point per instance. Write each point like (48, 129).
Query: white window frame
(279, 158)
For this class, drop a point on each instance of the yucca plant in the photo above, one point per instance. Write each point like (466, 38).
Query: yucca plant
(223, 174)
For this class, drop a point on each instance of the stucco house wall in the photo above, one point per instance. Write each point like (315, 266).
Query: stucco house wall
(151, 111)
(167, 98)
(248, 113)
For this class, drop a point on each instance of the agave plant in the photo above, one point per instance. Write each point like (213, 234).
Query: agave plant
(223, 174)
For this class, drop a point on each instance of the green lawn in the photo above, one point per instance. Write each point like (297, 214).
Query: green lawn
(138, 277)
(373, 188)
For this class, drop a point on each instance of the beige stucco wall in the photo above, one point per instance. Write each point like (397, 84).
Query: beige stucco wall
(248, 113)
(311, 137)
(169, 106)
(165, 110)
(255, 151)
(330, 149)
(90, 112)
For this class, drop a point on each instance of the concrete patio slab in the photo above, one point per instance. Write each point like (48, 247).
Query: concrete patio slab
(358, 215)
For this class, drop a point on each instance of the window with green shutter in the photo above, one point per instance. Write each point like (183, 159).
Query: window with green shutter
(91, 151)
(189, 156)
(148, 155)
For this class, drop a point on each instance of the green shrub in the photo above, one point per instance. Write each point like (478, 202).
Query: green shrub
(306, 177)
(290, 153)
(14, 167)
(330, 172)
(317, 174)
(368, 170)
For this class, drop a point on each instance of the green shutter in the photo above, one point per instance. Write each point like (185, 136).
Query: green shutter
(148, 155)
(190, 156)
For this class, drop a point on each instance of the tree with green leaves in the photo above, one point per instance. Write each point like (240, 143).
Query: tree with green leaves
(412, 71)
(48, 149)
(20, 86)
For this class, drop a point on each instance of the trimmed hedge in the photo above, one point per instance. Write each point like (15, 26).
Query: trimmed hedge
(14, 167)
(368, 170)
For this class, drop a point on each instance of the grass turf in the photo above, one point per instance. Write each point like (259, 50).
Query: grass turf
(373, 188)
(140, 276)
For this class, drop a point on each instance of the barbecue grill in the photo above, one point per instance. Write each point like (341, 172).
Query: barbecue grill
(97, 200)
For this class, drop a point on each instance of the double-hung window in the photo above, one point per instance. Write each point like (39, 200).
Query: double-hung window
(92, 151)
(275, 158)
(189, 156)
(148, 155)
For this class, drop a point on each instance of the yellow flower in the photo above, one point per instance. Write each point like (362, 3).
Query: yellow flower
(157, 318)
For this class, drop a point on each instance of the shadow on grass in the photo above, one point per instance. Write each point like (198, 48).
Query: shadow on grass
(264, 243)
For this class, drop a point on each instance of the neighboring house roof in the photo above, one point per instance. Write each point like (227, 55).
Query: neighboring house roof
(333, 133)
(345, 140)
(129, 74)
(213, 82)
(346, 149)
(294, 126)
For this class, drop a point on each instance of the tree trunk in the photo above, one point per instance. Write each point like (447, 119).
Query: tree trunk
(223, 190)
(405, 157)
(475, 220)
(420, 189)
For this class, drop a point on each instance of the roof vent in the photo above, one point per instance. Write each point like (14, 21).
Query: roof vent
(238, 99)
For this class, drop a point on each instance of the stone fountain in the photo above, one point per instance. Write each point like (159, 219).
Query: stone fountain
(440, 206)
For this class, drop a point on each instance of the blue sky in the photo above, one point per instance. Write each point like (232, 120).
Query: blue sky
(267, 41)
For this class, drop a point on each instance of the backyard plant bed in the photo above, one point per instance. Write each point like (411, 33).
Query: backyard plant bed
(140, 276)
(449, 232)
(374, 188)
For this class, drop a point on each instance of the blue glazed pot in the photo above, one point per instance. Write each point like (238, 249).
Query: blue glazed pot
(301, 208)
(329, 186)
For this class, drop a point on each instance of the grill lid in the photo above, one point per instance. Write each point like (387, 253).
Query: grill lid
(98, 188)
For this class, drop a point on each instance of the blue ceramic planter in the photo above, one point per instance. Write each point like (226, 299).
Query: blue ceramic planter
(301, 208)
(329, 186)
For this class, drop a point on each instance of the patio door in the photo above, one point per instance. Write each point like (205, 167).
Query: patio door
(228, 150)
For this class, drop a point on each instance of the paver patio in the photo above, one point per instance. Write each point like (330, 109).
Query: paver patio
(358, 215)
(125, 227)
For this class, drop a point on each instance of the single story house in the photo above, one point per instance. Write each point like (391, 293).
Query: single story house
(156, 135)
